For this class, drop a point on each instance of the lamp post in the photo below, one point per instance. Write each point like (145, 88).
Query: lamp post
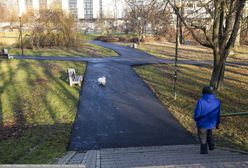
(139, 19)
(20, 19)
(176, 54)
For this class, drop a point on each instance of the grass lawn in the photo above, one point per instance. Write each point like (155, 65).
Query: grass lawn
(37, 110)
(167, 50)
(191, 79)
(87, 50)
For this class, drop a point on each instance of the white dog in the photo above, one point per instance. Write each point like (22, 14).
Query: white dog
(102, 81)
(10, 57)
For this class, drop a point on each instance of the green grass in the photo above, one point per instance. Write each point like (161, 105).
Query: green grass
(89, 50)
(37, 105)
(191, 79)
(37, 109)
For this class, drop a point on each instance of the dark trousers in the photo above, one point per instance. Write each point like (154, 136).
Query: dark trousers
(206, 139)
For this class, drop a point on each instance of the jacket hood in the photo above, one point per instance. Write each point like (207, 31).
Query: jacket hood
(209, 97)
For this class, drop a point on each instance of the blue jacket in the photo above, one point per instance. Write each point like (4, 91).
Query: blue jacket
(207, 111)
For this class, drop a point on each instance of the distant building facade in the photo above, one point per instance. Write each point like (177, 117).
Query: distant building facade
(80, 9)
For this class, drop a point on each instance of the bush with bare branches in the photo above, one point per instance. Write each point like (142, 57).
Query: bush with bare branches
(50, 28)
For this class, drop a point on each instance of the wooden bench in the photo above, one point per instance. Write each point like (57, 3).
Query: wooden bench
(73, 78)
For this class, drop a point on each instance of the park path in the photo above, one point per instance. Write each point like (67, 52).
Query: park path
(125, 112)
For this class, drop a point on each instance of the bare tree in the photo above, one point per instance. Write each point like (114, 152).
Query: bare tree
(2, 10)
(161, 20)
(7, 13)
(50, 28)
(214, 24)
(139, 14)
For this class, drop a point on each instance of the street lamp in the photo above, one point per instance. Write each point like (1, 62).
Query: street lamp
(176, 54)
(176, 50)
(139, 19)
(20, 19)
(177, 5)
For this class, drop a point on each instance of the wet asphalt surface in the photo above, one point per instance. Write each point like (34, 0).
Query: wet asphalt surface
(125, 112)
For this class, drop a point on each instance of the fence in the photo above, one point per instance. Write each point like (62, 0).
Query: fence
(234, 114)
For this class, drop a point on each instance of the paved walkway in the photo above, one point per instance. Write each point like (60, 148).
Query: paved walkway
(176, 156)
(125, 112)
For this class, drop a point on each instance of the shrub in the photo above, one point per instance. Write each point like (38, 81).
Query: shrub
(107, 38)
(52, 28)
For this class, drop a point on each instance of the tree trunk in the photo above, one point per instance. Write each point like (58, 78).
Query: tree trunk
(237, 41)
(218, 69)
(181, 39)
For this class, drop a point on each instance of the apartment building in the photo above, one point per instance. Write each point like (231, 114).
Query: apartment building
(80, 9)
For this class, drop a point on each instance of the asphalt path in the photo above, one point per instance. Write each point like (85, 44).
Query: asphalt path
(125, 112)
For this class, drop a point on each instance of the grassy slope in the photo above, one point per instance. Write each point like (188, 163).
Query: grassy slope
(234, 131)
(37, 110)
(86, 50)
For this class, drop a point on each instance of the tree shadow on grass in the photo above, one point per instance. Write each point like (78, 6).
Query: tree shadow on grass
(29, 141)
(36, 144)
(11, 84)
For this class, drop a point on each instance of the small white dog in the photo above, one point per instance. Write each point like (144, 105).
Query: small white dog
(102, 81)
(10, 57)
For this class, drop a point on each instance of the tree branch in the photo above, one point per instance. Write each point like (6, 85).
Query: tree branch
(239, 10)
(203, 43)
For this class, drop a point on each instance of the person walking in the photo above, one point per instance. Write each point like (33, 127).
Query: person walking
(207, 117)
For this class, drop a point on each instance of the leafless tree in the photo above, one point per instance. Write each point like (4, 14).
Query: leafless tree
(214, 24)
(50, 28)
(2, 10)
(139, 14)
(7, 13)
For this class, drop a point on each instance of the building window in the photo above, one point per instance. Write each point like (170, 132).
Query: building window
(88, 9)
(101, 12)
(29, 4)
(73, 8)
(43, 4)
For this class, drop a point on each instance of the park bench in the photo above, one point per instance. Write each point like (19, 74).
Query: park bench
(6, 53)
(73, 78)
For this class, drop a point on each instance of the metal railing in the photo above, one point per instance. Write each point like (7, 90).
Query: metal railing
(234, 114)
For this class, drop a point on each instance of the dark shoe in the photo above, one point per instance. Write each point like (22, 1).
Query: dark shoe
(211, 147)
(204, 149)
